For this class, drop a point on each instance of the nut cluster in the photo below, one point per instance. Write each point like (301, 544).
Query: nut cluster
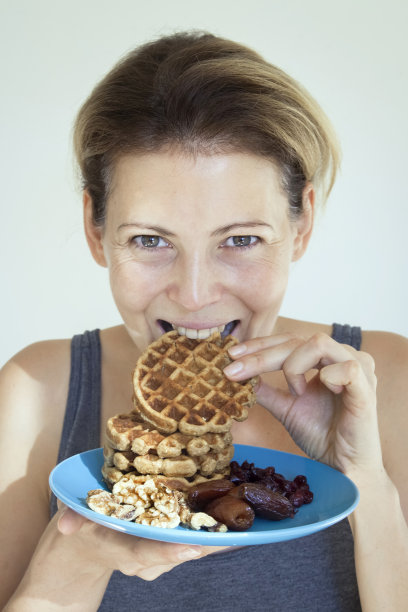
(149, 503)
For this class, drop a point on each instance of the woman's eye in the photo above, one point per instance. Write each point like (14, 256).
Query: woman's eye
(150, 242)
(241, 241)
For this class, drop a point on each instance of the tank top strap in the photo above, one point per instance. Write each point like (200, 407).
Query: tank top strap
(81, 427)
(345, 334)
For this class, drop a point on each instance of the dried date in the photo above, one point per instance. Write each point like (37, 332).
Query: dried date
(200, 495)
(296, 491)
(235, 513)
(266, 503)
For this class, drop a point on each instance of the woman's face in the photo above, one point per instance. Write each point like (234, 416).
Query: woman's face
(197, 244)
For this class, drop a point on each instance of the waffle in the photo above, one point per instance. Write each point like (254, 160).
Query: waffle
(128, 431)
(181, 465)
(195, 446)
(179, 385)
(124, 432)
(112, 476)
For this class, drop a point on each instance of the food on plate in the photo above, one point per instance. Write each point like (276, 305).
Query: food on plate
(149, 503)
(199, 496)
(180, 385)
(297, 491)
(235, 513)
(184, 406)
(266, 503)
(169, 461)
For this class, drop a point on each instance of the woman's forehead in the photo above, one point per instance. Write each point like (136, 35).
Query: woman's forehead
(174, 174)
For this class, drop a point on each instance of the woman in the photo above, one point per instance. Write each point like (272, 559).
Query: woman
(202, 166)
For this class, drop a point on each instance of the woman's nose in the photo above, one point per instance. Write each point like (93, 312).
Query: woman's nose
(194, 284)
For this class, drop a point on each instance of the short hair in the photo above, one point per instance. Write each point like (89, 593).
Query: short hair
(203, 94)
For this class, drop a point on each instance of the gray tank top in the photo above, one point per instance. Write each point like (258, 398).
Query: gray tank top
(315, 573)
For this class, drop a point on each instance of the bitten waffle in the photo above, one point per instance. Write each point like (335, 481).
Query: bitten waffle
(179, 385)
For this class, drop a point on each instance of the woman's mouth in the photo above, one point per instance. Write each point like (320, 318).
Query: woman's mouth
(200, 334)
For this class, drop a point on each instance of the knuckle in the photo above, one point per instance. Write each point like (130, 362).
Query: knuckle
(256, 361)
(354, 368)
(368, 360)
(319, 340)
(288, 369)
(292, 338)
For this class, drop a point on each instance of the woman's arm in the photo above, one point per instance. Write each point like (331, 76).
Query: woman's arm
(31, 416)
(330, 410)
(64, 564)
(382, 559)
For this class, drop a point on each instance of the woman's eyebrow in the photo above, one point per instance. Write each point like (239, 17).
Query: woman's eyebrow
(245, 224)
(220, 231)
(147, 227)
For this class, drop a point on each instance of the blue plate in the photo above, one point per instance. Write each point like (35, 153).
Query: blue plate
(335, 497)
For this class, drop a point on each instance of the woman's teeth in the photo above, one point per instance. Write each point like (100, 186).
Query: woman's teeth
(198, 334)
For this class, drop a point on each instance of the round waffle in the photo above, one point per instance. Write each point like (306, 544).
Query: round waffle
(124, 432)
(129, 431)
(195, 446)
(175, 482)
(181, 465)
(179, 385)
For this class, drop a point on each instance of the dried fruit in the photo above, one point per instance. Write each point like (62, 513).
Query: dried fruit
(266, 503)
(296, 490)
(200, 495)
(235, 513)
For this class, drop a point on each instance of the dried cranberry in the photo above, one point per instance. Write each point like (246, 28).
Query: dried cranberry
(300, 481)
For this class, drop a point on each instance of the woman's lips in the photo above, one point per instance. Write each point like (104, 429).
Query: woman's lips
(195, 333)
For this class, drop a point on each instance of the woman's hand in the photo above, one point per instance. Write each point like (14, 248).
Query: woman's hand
(329, 408)
(75, 557)
(113, 550)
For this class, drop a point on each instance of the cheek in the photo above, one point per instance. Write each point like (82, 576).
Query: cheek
(267, 287)
(130, 288)
(263, 282)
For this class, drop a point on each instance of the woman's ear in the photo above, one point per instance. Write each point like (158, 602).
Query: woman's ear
(304, 224)
(93, 233)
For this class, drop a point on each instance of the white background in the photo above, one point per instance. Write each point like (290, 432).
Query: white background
(352, 55)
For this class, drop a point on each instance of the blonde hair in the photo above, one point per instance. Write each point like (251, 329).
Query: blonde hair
(203, 94)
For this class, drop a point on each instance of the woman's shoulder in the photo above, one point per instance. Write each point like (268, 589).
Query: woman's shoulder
(41, 365)
(390, 354)
(383, 345)
(388, 348)
(301, 328)
(33, 392)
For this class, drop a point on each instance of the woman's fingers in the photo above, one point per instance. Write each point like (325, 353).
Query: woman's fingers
(316, 353)
(259, 344)
(262, 355)
(153, 558)
(131, 555)
(293, 355)
(69, 521)
(351, 376)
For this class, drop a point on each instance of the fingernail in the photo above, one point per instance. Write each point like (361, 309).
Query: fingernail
(234, 368)
(238, 349)
(189, 553)
(60, 524)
